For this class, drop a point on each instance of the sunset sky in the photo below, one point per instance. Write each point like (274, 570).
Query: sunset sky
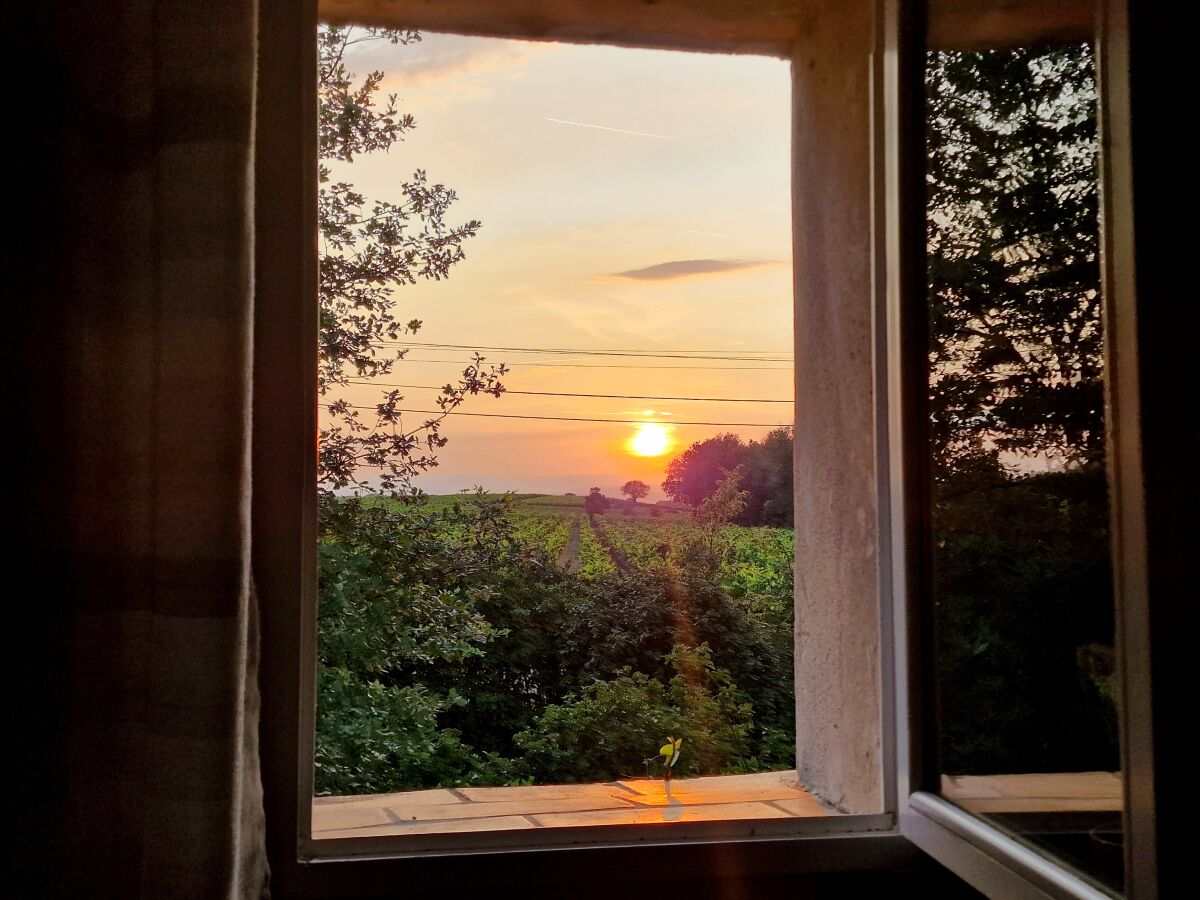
(631, 201)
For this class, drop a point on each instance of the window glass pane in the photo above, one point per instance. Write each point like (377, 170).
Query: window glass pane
(606, 352)
(1022, 585)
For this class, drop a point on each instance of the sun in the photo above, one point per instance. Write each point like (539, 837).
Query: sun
(650, 439)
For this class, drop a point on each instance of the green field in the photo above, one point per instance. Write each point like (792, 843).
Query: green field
(650, 538)
(646, 537)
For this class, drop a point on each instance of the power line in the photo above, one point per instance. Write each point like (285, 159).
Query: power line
(438, 412)
(564, 365)
(587, 350)
(435, 387)
(731, 355)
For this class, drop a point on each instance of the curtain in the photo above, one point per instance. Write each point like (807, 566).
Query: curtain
(137, 706)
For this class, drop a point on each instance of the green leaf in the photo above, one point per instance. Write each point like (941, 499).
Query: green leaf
(665, 750)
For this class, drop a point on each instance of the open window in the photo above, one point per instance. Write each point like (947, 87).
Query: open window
(571, 635)
(1024, 628)
(555, 459)
(861, 477)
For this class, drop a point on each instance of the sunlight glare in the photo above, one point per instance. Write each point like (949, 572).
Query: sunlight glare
(650, 439)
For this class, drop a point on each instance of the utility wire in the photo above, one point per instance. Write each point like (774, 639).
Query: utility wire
(434, 387)
(732, 355)
(566, 365)
(442, 412)
(651, 351)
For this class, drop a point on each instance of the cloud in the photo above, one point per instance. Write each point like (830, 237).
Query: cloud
(446, 61)
(685, 268)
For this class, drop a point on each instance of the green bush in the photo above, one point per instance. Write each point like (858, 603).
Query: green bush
(374, 738)
(1023, 587)
(613, 728)
(452, 653)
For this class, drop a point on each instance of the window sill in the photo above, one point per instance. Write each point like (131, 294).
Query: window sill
(761, 806)
(765, 795)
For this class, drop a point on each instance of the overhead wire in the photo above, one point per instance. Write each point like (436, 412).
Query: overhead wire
(454, 412)
(729, 355)
(567, 365)
(433, 387)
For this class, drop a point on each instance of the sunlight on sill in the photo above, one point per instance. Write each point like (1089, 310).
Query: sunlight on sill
(764, 795)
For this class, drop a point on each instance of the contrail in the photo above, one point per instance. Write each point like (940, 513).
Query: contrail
(661, 137)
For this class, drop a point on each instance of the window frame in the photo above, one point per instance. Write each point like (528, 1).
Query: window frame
(285, 545)
(915, 822)
(982, 854)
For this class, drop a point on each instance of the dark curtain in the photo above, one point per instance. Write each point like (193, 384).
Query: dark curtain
(133, 643)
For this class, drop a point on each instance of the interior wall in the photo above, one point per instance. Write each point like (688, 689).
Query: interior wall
(748, 26)
(838, 730)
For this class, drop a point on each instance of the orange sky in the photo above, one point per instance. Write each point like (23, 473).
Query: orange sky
(631, 200)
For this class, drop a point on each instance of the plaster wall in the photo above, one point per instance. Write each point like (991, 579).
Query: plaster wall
(838, 732)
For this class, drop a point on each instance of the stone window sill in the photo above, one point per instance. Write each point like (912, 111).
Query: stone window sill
(636, 801)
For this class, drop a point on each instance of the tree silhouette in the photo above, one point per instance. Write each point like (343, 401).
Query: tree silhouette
(635, 490)
(1013, 256)
(595, 502)
(766, 475)
(1020, 570)
(694, 475)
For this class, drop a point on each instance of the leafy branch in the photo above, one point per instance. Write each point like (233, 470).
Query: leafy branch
(368, 249)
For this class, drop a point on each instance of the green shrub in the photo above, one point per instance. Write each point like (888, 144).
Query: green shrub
(612, 729)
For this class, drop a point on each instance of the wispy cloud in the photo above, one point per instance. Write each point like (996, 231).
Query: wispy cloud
(686, 268)
(449, 64)
(660, 137)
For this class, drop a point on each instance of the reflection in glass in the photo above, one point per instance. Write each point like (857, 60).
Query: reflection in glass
(1023, 606)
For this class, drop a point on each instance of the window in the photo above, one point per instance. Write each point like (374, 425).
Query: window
(1062, 830)
(598, 292)
(759, 671)
(844, 155)
(1021, 575)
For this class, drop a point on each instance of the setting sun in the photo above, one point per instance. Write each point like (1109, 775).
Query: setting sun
(650, 439)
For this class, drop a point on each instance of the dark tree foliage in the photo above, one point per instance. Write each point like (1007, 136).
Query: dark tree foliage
(368, 248)
(693, 475)
(635, 490)
(1013, 265)
(766, 467)
(1023, 588)
(401, 589)
(1021, 561)
(595, 502)
(768, 479)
